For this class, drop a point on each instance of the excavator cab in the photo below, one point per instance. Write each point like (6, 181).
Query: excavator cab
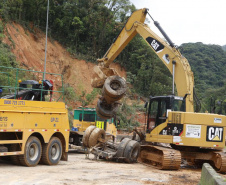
(159, 107)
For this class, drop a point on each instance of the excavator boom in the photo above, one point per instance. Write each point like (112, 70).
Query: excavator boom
(167, 52)
(171, 119)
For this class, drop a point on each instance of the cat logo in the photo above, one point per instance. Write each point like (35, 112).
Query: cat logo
(214, 134)
(156, 45)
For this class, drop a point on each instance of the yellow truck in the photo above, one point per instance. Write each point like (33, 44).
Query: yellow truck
(85, 117)
(32, 130)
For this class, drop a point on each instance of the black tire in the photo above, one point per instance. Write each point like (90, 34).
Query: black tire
(122, 146)
(114, 88)
(32, 152)
(105, 110)
(96, 134)
(52, 152)
(85, 138)
(15, 158)
(132, 151)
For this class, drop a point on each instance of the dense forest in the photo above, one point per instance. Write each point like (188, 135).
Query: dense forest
(88, 27)
(208, 65)
(224, 47)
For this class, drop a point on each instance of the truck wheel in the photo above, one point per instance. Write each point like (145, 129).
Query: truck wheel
(32, 152)
(52, 151)
(96, 136)
(105, 110)
(114, 88)
(122, 146)
(14, 158)
(132, 151)
(85, 139)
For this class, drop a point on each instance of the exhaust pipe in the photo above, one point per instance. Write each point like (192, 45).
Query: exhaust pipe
(174, 63)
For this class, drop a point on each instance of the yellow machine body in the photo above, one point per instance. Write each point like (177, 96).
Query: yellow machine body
(20, 119)
(191, 129)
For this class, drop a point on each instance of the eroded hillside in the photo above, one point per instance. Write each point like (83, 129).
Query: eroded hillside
(29, 49)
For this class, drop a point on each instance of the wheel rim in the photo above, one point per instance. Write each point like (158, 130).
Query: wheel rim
(55, 151)
(115, 85)
(33, 152)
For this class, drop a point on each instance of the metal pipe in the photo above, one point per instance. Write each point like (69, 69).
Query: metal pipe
(44, 77)
(164, 34)
(174, 63)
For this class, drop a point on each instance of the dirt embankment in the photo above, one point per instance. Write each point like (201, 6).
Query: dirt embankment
(29, 49)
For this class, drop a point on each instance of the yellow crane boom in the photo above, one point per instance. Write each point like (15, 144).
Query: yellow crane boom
(167, 52)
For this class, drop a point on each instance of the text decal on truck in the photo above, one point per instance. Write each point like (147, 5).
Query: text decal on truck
(156, 45)
(214, 134)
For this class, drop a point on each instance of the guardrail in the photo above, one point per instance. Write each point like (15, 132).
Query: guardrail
(210, 177)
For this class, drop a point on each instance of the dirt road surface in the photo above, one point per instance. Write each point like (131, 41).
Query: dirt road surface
(79, 170)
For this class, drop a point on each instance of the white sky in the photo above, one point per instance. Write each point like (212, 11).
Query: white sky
(188, 20)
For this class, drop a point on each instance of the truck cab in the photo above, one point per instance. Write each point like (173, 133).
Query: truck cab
(85, 117)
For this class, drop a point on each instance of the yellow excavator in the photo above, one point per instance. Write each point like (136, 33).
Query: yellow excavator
(171, 120)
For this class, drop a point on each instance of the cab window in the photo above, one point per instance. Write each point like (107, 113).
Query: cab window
(87, 117)
(179, 105)
(152, 115)
(154, 109)
(163, 109)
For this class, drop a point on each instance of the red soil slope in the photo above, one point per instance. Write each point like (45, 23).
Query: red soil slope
(29, 49)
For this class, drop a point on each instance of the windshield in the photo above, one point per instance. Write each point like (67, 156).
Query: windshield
(178, 105)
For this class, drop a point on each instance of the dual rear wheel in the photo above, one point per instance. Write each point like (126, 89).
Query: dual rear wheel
(129, 150)
(52, 152)
(34, 152)
(93, 136)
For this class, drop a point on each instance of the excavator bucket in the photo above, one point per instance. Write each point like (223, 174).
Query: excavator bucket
(100, 75)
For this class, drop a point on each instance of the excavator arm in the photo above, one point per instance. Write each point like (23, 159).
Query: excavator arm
(166, 51)
(102, 71)
(194, 137)
(171, 56)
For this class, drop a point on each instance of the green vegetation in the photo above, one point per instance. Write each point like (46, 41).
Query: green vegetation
(208, 64)
(85, 99)
(88, 27)
(7, 59)
(126, 114)
(224, 47)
